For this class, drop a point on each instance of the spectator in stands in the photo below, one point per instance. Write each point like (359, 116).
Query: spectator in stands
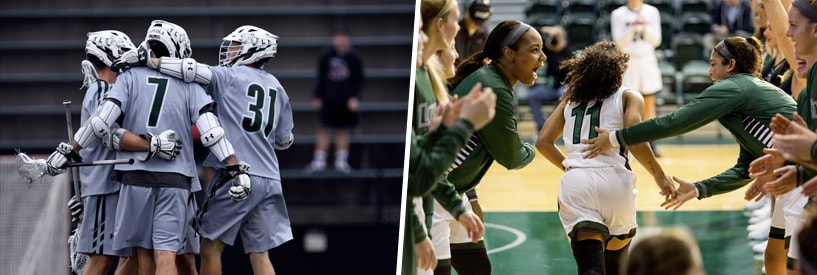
(758, 19)
(729, 18)
(339, 83)
(636, 29)
(474, 29)
(549, 88)
(670, 252)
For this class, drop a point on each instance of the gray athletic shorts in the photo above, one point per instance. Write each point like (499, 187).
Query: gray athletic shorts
(95, 233)
(191, 242)
(262, 218)
(151, 218)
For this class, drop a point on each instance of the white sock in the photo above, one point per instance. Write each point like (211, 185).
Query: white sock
(319, 156)
(341, 156)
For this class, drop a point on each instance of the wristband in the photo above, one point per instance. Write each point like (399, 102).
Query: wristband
(814, 151)
(613, 139)
(801, 174)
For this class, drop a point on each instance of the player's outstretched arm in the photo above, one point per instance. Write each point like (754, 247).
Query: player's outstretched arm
(633, 111)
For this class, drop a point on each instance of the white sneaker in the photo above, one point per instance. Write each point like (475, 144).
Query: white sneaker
(760, 247)
(316, 166)
(760, 234)
(760, 217)
(760, 225)
(342, 167)
(754, 205)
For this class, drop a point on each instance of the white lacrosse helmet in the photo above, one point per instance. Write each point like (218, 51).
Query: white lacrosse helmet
(247, 45)
(171, 36)
(108, 45)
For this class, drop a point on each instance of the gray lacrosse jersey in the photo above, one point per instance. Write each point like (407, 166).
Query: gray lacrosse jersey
(255, 112)
(96, 180)
(153, 102)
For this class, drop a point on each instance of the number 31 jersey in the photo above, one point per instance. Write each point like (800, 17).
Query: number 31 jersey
(254, 111)
(581, 120)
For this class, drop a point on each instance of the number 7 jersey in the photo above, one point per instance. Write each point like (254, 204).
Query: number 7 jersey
(581, 120)
(254, 111)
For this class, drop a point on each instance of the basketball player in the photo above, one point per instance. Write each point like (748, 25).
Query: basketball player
(515, 51)
(742, 102)
(597, 196)
(259, 112)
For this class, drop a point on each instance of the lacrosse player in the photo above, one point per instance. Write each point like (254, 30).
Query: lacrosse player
(152, 211)
(100, 189)
(258, 107)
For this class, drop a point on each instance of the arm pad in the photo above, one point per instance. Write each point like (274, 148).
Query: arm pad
(212, 136)
(186, 69)
(99, 124)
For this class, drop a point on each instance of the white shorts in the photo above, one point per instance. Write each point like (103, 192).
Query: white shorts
(643, 75)
(594, 198)
(795, 217)
(446, 230)
(778, 226)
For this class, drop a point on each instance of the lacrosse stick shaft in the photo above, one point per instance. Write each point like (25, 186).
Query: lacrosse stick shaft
(99, 162)
(74, 171)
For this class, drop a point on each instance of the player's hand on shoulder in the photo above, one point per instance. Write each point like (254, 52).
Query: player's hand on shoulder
(241, 186)
(133, 58)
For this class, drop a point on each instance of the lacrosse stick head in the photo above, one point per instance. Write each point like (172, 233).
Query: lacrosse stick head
(30, 169)
(79, 261)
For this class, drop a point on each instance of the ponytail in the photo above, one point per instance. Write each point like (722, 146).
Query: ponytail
(468, 66)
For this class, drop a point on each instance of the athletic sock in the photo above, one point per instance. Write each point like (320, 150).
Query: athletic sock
(471, 261)
(443, 267)
(589, 256)
(613, 259)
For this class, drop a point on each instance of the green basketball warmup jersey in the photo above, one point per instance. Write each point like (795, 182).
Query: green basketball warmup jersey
(499, 140)
(743, 104)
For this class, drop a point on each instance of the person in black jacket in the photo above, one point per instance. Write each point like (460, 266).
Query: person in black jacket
(729, 18)
(340, 81)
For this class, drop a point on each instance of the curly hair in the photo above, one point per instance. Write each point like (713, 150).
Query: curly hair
(595, 73)
(747, 53)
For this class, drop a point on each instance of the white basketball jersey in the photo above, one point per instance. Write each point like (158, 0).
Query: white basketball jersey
(581, 120)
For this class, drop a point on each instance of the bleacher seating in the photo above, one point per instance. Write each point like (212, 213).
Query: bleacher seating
(696, 21)
(581, 29)
(544, 12)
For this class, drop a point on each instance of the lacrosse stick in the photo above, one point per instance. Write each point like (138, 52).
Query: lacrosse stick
(32, 169)
(74, 171)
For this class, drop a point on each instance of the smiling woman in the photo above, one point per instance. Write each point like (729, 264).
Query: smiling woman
(513, 52)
